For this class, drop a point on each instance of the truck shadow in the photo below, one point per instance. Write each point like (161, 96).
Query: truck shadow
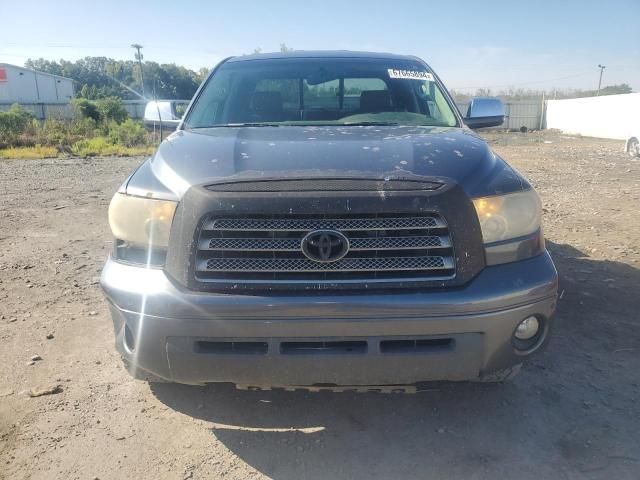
(534, 425)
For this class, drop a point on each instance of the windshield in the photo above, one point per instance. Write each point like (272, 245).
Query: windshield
(327, 91)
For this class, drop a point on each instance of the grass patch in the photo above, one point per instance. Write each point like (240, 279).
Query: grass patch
(92, 147)
(21, 153)
(102, 147)
(99, 128)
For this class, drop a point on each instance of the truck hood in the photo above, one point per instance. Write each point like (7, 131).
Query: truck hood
(195, 157)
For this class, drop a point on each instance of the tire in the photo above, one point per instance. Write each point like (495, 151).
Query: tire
(499, 376)
(633, 147)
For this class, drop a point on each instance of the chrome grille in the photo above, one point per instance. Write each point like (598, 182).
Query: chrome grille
(301, 224)
(293, 244)
(305, 265)
(269, 249)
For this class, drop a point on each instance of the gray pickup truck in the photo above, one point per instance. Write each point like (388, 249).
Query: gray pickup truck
(328, 220)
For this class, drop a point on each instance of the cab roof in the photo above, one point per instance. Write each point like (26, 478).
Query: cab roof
(321, 54)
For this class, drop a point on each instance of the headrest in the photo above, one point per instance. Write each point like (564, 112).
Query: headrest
(375, 100)
(267, 102)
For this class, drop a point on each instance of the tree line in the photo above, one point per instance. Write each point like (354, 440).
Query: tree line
(530, 94)
(102, 77)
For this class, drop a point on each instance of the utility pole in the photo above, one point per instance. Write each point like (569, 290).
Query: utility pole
(138, 56)
(601, 67)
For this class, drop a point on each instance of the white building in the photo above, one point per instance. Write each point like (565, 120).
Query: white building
(21, 85)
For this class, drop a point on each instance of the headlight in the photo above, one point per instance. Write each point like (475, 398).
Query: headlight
(141, 227)
(503, 217)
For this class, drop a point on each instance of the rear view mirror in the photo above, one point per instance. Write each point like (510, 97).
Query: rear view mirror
(161, 111)
(484, 112)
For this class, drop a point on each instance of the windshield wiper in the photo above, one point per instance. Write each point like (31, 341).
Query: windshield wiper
(364, 124)
(233, 125)
(291, 124)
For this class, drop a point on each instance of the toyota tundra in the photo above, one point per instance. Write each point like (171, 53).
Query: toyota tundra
(328, 220)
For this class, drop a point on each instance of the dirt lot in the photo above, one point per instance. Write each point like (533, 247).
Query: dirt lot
(574, 412)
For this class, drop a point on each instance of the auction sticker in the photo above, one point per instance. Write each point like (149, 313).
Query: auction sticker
(410, 74)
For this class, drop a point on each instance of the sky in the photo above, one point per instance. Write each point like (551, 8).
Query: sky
(470, 44)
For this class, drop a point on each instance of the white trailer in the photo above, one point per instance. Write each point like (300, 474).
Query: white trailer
(607, 116)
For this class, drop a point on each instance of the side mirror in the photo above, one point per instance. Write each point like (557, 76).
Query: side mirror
(484, 112)
(161, 112)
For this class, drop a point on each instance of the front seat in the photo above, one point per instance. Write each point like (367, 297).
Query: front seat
(375, 101)
(267, 106)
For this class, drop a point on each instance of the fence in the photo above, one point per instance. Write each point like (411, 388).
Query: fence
(61, 110)
(64, 110)
(522, 113)
(519, 113)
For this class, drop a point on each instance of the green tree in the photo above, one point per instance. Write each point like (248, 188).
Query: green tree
(84, 108)
(13, 123)
(111, 109)
(202, 74)
(101, 77)
(616, 89)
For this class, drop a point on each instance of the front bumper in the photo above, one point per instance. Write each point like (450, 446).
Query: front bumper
(457, 333)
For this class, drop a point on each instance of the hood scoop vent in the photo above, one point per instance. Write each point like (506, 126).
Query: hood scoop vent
(326, 185)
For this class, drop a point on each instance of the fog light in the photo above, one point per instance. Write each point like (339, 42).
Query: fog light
(528, 328)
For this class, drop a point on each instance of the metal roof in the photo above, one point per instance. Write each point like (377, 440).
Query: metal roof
(320, 54)
(35, 71)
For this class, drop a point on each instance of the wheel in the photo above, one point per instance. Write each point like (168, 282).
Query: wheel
(498, 376)
(633, 147)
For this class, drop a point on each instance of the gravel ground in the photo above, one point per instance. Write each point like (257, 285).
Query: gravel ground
(572, 413)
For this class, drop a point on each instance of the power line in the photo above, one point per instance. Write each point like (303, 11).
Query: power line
(85, 46)
(63, 45)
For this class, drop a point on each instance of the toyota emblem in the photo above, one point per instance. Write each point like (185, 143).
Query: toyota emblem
(325, 246)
